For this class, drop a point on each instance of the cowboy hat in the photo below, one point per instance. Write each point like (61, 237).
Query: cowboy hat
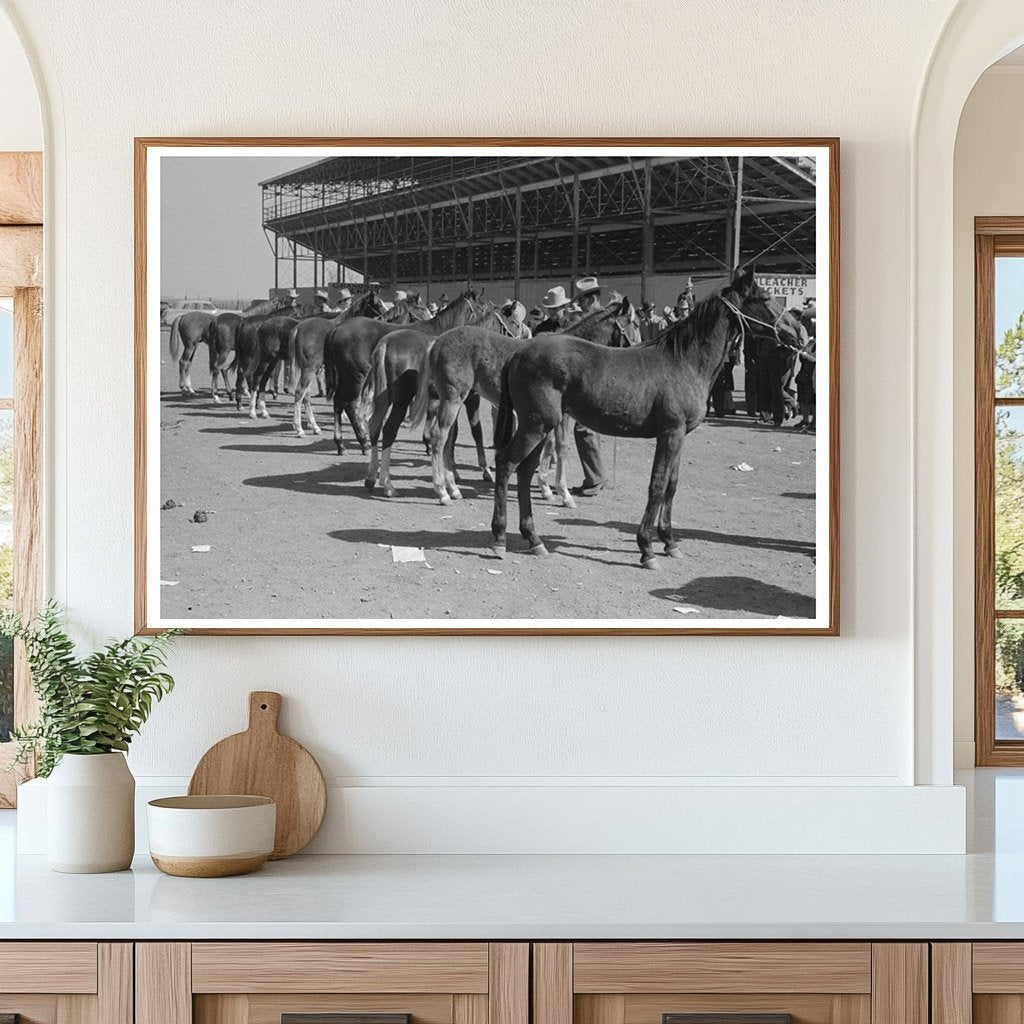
(344, 294)
(587, 286)
(432, 307)
(555, 298)
(517, 311)
(400, 296)
(321, 295)
(293, 294)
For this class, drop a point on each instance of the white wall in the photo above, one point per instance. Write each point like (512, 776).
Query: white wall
(21, 127)
(450, 713)
(987, 181)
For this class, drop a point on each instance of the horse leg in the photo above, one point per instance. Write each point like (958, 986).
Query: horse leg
(259, 395)
(666, 454)
(545, 468)
(355, 417)
(214, 371)
(338, 440)
(665, 519)
(472, 404)
(313, 425)
(562, 430)
(185, 369)
(524, 476)
(301, 392)
(436, 440)
(505, 461)
(380, 410)
(321, 382)
(391, 427)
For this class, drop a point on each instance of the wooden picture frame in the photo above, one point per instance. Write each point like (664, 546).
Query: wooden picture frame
(148, 596)
(21, 278)
(993, 237)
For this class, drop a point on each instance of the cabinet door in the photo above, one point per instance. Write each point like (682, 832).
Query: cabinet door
(981, 982)
(332, 983)
(66, 982)
(730, 983)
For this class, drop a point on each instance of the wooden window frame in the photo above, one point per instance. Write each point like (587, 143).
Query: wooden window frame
(21, 273)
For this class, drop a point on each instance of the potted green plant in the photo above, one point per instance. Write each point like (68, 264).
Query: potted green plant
(90, 708)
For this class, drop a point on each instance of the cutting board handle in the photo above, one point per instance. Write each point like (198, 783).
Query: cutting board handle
(264, 710)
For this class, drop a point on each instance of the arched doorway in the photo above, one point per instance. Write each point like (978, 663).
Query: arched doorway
(976, 34)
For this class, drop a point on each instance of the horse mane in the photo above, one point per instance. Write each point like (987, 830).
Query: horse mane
(684, 335)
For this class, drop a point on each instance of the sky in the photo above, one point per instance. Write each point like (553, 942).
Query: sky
(6, 354)
(212, 243)
(1009, 293)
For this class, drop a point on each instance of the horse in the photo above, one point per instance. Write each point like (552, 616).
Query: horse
(261, 348)
(469, 361)
(221, 334)
(397, 361)
(187, 331)
(658, 390)
(347, 357)
(306, 347)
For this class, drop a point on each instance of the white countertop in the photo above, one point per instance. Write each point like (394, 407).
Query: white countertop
(977, 896)
(496, 897)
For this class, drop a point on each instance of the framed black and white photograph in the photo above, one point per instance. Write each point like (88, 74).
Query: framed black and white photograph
(506, 386)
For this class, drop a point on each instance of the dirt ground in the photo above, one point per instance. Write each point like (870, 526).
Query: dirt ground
(292, 533)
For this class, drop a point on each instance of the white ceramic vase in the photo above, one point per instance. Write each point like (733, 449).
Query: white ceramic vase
(90, 814)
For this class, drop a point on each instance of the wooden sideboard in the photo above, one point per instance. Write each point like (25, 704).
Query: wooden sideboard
(512, 982)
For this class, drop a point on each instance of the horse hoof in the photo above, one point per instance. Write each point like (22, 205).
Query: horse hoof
(317, 431)
(444, 499)
(488, 474)
(674, 551)
(456, 494)
(216, 400)
(568, 501)
(538, 549)
(648, 563)
(300, 433)
(369, 483)
(547, 494)
(497, 550)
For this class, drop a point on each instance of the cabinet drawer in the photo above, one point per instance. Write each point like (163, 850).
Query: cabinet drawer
(730, 983)
(332, 983)
(64, 967)
(340, 967)
(634, 967)
(66, 982)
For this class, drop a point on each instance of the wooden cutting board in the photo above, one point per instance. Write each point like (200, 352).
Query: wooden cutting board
(262, 762)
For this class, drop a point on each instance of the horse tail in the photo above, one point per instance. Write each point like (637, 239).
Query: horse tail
(174, 343)
(421, 400)
(375, 387)
(504, 425)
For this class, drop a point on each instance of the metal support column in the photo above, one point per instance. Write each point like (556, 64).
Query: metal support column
(366, 253)
(575, 231)
(647, 245)
(430, 248)
(295, 265)
(277, 262)
(394, 249)
(738, 215)
(519, 240)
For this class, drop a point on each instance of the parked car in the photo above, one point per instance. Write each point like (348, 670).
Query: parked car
(171, 312)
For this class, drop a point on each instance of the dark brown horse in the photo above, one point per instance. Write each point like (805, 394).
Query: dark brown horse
(467, 364)
(306, 348)
(658, 390)
(187, 332)
(348, 349)
(261, 348)
(221, 335)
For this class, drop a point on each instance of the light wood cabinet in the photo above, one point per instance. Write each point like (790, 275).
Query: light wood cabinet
(978, 983)
(66, 982)
(366, 982)
(736, 982)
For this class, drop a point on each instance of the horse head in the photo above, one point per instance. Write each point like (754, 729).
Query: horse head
(626, 329)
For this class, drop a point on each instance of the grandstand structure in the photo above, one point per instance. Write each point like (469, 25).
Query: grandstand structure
(438, 223)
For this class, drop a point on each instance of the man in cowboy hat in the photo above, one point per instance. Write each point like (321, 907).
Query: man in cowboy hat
(588, 444)
(651, 324)
(686, 301)
(321, 304)
(588, 295)
(401, 296)
(344, 300)
(432, 308)
(556, 312)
